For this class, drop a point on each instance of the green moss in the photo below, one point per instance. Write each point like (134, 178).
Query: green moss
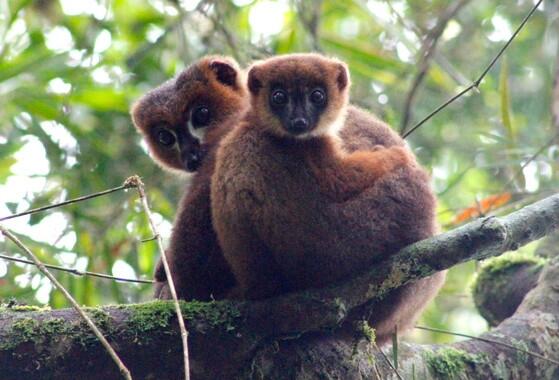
(101, 318)
(502, 264)
(157, 315)
(364, 329)
(447, 363)
(25, 328)
(54, 326)
(522, 349)
(29, 308)
(215, 314)
(150, 316)
(495, 274)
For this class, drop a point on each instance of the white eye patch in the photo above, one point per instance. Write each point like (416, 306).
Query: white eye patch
(199, 133)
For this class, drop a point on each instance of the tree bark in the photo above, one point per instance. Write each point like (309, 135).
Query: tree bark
(294, 336)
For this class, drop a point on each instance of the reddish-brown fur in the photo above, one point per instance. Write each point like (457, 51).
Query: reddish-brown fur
(199, 268)
(197, 264)
(295, 213)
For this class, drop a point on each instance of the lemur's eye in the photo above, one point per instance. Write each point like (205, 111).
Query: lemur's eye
(318, 97)
(166, 138)
(279, 97)
(200, 117)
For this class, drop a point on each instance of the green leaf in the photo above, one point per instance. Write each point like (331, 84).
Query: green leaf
(355, 51)
(16, 6)
(102, 99)
(5, 166)
(31, 61)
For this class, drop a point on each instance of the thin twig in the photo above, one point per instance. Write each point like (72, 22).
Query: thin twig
(77, 272)
(123, 370)
(70, 201)
(555, 98)
(389, 362)
(137, 182)
(219, 24)
(310, 18)
(476, 83)
(492, 341)
(443, 63)
(427, 52)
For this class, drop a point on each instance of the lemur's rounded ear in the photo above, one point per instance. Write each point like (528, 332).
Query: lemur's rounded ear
(224, 72)
(254, 83)
(342, 78)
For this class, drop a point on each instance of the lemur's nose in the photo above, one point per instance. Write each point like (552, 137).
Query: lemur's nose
(192, 161)
(299, 125)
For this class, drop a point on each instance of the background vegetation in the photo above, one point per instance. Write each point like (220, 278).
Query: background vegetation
(69, 71)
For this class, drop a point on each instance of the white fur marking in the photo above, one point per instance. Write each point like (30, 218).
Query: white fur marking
(199, 133)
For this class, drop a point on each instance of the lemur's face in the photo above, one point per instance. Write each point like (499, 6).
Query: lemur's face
(176, 117)
(300, 95)
(180, 143)
(298, 105)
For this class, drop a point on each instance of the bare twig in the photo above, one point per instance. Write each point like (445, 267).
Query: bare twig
(443, 63)
(491, 341)
(308, 13)
(123, 370)
(476, 83)
(427, 52)
(555, 98)
(389, 362)
(78, 272)
(137, 182)
(70, 201)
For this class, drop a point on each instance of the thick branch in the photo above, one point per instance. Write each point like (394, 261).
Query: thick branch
(225, 336)
(500, 288)
(533, 329)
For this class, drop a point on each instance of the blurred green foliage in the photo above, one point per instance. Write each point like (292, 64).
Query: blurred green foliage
(69, 71)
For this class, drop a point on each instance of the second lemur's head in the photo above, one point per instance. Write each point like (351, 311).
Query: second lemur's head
(299, 95)
(179, 119)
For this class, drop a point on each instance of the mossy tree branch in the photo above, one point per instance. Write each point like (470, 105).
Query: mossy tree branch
(228, 338)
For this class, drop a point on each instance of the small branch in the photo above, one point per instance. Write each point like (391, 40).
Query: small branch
(389, 362)
(77, 272)
(123, 370)
(427, 52)
(491, 341)
(70, 201)
(219, 24)
(308, 13)
(137, 182)
(555, 95)
(476, 83)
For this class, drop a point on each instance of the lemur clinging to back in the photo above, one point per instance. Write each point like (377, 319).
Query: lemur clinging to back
(292, 209)
(182, 122)
(197, 263)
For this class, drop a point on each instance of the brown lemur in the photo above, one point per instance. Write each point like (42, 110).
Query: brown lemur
(293, 209)
(203, 272)
(182, 122)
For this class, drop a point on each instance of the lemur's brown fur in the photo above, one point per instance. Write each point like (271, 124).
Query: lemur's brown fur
(196, 259)
(294, 211)
(194, 247)
(197, 264)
